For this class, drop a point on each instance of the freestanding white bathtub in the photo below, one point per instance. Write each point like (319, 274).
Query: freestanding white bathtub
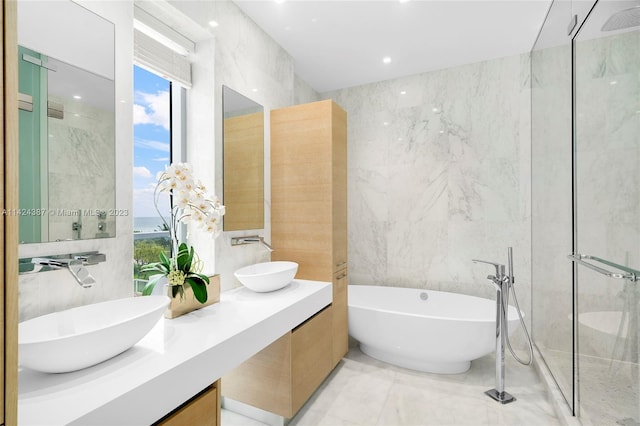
(425, 330)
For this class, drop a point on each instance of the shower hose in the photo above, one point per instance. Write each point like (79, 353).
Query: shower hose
(505, 307)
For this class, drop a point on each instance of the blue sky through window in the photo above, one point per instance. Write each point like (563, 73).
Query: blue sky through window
(151, 134)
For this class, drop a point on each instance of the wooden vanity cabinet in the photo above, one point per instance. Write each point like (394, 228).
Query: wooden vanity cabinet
(309, 200)
(203, 410)
(281, 377)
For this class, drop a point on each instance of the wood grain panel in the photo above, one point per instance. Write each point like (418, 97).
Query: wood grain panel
(202, 410)
(308, 163)
(9, 224)
(264, 380)
(309, 268)
(244, 172)
(310, 357)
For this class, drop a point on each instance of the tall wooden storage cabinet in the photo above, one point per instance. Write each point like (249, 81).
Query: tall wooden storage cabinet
(308, 226)
(309, 200)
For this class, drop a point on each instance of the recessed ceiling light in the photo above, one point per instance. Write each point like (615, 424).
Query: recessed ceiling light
(404, 92)
(613, 82)
(435, 110)
(77, 97)
(404, 1)
(213, 24)
(386, 60)
(386, 123)
(280, 1)
(254, 90)
(441, 131)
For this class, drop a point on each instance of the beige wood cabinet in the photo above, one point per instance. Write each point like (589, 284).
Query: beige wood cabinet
(309, 200)
(201, 410)
(281, 377)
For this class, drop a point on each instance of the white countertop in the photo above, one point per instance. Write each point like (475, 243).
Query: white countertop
(175, 361)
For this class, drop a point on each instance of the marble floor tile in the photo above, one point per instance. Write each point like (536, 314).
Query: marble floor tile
(365, 391)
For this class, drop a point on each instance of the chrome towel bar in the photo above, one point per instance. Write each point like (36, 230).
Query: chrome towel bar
(627, 274)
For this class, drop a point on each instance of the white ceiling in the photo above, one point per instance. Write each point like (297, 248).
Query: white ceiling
(338, 44)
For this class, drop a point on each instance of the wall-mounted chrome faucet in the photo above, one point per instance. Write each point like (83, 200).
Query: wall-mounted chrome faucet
(75, 263)
(252, 239)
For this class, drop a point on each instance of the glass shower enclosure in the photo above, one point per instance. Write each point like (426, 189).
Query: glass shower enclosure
(586, 208)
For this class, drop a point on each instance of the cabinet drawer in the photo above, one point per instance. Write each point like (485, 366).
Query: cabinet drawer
(203, 409)
(311, 356)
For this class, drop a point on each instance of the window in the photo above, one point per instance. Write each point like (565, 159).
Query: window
(152, 125)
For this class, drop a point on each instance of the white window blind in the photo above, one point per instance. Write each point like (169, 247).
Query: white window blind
(159, 58)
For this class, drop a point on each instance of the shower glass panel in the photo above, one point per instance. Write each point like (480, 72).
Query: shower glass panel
(551, 193)
(607, 206)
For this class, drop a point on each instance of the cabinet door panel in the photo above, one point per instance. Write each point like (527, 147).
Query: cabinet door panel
(264, 380)
(340, 317)
(310, 356)
(202, 410)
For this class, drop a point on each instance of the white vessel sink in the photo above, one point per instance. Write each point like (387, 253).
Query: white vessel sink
(87, 335)
(267, 276)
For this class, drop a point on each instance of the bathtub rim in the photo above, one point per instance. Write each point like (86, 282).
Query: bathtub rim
(512, 308)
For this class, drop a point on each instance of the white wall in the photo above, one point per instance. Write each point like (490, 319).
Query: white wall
(46, 292)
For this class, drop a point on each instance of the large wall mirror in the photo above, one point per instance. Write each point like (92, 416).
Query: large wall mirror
(243, 164)
(67, 123)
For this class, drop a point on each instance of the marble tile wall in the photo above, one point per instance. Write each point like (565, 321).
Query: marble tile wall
(438, 174)
(81, 171)
(47, 292)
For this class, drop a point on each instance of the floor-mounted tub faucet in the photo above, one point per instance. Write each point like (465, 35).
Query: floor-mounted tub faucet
(504, 282)
(499, 280)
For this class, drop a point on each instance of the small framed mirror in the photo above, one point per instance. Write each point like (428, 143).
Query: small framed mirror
(243, 162)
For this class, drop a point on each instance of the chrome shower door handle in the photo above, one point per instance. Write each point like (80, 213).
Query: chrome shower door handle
(627, 274)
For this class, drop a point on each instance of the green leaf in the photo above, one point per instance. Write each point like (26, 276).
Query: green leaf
(148, 288)
(203, 277)
(155, 267)
(165, 261)
(177, 289)
(183, 259)
(199, 288)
